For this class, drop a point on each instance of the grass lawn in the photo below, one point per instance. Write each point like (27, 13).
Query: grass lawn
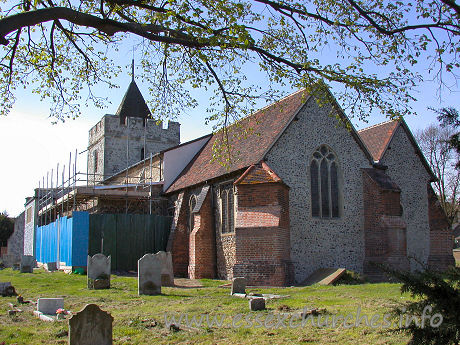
(141, 319)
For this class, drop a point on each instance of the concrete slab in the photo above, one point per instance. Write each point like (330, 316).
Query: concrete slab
(324, 276)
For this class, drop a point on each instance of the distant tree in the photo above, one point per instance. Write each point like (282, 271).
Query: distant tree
(450, 118)
(6, 226)
(442, 158)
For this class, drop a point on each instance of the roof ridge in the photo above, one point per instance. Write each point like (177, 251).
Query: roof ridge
(376, 125)
(261, 109)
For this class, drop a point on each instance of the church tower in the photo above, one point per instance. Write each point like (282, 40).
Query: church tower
(121, 140)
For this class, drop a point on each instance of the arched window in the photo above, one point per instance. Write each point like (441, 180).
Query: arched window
(227, 203)
(324, 182)
(191, 219)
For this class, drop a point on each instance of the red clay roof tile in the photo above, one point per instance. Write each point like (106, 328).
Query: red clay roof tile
(377, 137)
(249, 140)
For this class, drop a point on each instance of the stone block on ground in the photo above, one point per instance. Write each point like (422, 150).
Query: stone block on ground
(149, 275)
(99, 268)
(48, 306)
(239, 285)
(257, 303)
(51, 266)
(90, 326)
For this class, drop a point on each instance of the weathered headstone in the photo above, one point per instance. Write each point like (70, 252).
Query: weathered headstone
(7, 290)
(149, 275)
(99, 271)
(256, 304)
(51, 266)
(27, 264)
(48, 306)
(167, 275)
(238, 285)
(90, 326)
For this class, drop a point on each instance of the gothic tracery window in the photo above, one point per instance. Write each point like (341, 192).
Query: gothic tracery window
(324, 182)
(227, 206)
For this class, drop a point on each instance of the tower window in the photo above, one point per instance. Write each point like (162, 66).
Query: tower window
(95, 160)
(142, 153)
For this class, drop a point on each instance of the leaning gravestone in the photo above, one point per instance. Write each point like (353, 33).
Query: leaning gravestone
(90, 326)
(99, 271)
(27, 264)
(167, 275)
(238, 285)
(149, 275)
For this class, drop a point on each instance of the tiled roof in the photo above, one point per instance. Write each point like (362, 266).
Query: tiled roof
(249, 140)
(258, 173)
(376, 138)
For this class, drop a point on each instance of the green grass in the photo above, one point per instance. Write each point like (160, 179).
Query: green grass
(140, 319)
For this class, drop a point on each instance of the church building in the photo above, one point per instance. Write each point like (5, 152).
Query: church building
(302, 190)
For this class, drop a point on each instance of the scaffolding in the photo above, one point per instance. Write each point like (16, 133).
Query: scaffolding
(67, 190)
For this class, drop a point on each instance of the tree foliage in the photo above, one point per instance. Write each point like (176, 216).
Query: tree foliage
(450, 118)
(369, 48)
(436, 293)
(435, 142)
(6, 226)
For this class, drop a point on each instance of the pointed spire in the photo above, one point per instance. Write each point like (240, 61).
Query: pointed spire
(132, 68)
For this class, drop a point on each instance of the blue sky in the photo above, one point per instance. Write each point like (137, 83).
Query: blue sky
(31, 145)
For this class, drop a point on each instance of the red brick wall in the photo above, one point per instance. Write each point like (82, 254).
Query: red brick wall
(178, 242)
(202, 247)
(384, 228)
(441, 237)
(262, 234)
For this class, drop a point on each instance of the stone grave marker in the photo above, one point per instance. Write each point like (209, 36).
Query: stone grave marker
(27, 264)
(238, 285)
(7, 290)
(90, 326)
(257, 303)
(99, 271)
(149, 275)
(48, 306)
(167, 275)
(51, 266)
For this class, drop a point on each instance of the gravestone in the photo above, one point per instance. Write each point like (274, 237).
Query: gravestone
(256, 304)
(51, 266)
(48, 306)
(238, 285)
(27, 264)
(7, 290)
(99, 271)
(149, 275)
(167, 275)
(90, 326)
